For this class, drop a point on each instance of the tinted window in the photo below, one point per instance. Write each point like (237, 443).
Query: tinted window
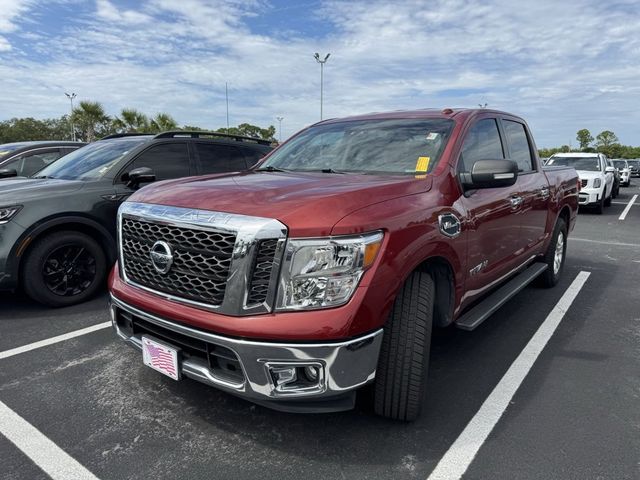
(518, 145)
(219, 158)
(169, 160)
(590, 164)
(30, 163)
(481, 143)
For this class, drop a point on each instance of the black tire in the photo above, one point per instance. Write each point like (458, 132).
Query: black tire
(71, 259)
(616, 191)
(600, 205)
(551, 276)
(607, 201)
(401, 376)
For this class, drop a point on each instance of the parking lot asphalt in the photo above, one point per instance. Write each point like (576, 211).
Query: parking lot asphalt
(576, 415)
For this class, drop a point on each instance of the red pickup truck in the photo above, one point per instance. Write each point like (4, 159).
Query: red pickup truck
(325, 268)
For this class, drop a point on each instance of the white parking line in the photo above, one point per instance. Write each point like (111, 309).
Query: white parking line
(52, 340)
(457, 459)
(54, 461)
(623, 215)
(599, 242)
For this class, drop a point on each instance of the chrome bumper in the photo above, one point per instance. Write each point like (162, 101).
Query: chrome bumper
(344, 366)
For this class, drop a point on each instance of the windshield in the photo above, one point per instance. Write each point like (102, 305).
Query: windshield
(399, 146)
(91, 162)
(620, 164)
(590, 164)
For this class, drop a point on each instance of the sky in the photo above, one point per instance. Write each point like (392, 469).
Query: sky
(561, 65)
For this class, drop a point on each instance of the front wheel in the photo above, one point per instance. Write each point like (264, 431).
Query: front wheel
(555, 255)
(64, 268)
(404, 356)
(600, 205)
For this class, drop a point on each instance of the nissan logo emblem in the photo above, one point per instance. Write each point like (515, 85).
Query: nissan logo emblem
(161, 256)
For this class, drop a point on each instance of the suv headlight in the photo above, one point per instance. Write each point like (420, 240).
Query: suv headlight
(324, 272)
(597, 182)
(7, 213)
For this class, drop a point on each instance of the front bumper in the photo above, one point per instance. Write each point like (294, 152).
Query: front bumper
(590, 196)
(343, 366)
(10, 233)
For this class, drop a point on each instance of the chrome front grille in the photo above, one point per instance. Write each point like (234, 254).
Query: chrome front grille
(222, 262)
(201, 259)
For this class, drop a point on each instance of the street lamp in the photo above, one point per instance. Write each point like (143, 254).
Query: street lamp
(280, 128)
(483, 105)
(73, 129)
(321, 62)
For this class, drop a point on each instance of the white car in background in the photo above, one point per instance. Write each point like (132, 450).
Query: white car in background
(624, 170)
(595, 176)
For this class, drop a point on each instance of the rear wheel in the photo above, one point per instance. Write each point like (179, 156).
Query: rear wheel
(404, 356)
(555, 255)
(64, 268)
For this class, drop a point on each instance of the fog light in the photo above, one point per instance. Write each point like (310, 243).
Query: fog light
(311, 373)
(296, 378)
(283, 376)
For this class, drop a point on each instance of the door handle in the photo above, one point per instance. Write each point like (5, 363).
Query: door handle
(515, 201)
(544, 192)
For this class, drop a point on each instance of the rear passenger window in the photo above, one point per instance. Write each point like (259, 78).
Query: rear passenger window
(219, 158)
(168, 160)
(518, 145)
(481, 143)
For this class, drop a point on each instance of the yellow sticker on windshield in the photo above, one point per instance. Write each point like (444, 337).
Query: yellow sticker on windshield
(422, 165)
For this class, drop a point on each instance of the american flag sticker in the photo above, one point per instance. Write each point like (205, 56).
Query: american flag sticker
(160, 357)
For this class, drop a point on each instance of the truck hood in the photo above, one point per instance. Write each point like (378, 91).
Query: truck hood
(587, 174)
(22, 189)
(309, 204)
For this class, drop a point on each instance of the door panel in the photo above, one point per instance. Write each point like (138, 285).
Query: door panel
(492, 214)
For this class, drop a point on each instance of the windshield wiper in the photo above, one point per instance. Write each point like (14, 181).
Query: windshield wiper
(42, 176)
(331, 170)
(270, 168)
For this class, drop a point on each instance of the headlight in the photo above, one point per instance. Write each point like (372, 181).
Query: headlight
(324, 272)
(597, 182)
(7, 213)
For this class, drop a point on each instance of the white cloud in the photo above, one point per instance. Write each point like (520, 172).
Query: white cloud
(562, 66)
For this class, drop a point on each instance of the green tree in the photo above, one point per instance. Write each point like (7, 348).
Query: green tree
(162, 122)
(248, 130)
(26, 129)
(90, 118)
(585, 138)
(131, 121)
(606, 139)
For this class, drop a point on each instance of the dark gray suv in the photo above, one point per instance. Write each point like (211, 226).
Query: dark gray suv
(58, 229)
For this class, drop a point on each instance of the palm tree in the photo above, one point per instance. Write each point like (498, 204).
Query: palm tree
(162, 122)
(132, 121)
(89, 116)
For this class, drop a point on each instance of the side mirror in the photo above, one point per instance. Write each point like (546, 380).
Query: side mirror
(139, 175)
(8, 173)
(491, 174)
(609, 170)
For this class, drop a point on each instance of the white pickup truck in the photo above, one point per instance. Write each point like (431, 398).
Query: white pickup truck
(595, 175)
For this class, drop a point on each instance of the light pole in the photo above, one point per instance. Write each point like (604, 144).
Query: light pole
(321, 62)
(483, 105)
(73, 128)
(280, 128)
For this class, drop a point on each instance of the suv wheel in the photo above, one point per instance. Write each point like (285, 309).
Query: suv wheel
(64, 268)
(600, 204)
(404, 356)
